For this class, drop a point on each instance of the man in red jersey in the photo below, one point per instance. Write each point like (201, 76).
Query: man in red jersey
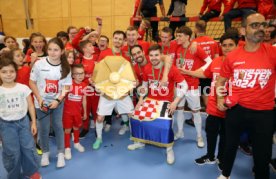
(214, 9)
(251, 71)
(245, 7)
(131, 37)
(189, 61)
(152, 75)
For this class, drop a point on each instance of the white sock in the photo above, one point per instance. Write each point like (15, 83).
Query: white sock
(180, 118)
(169, 148)
(198, 123)
(99, 129)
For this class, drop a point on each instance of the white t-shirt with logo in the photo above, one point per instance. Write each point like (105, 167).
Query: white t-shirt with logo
(13, 102)
(47, 77)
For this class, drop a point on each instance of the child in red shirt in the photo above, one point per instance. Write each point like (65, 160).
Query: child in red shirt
(72, 111)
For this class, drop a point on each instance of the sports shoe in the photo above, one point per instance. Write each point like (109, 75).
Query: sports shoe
(60, 160)
(83, 133)
(219, 165)
(36, 175)
(97, 144)
(45, 159)
(123, 130)
(200, 142)
(170, 156)
(136, 145)
(67, 154)
(107, 128)
(272, 164)
(190, 122)
(79, 147)
(205, 160)
(223, 177)
(179, 135)
(38, 149)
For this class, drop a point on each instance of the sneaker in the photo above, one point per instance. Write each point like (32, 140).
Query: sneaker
(179, 135)
(107, 128)
(170, 156)
(97, 144)
(223, 177)
(123, 130)
(272, 165)
(83, 133)
(79, 147)
(219, 165)
(67, 154)
(190, 122)
(200, 142)
(60, 160)
(36, 175)
(205, 160)
(245, 148)
(45, 159)
(136, 145)
(38, 149)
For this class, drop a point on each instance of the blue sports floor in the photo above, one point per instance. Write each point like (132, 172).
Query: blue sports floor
(113, 160)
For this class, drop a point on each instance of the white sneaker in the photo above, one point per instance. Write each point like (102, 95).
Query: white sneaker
(123, 130)
(136, 145)
(200, 142)
(223, 177)
(79, 147)
(179, 135)
(60, 160)
(45, 159)
(170, 156)
(107, 128)
(67, 154)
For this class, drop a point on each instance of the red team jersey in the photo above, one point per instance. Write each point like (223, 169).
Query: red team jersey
(213, 72)
(23, 75)
(215, 5)
(171, 49)
(252, 76)
(139, 71)
(73, 101)
(208, 44)
(165, 93)
(191, 62)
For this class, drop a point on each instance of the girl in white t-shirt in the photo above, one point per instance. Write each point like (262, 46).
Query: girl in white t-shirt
(50, 80)
(19, 152)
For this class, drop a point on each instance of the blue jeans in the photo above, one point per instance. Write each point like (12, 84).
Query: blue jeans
(54, 117)
(19, 150)
(234, 13)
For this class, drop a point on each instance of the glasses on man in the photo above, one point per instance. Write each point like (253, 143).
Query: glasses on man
(78, 74)
(257, 25)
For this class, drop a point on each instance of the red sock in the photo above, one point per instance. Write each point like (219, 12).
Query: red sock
(67, 140)
(76, 135)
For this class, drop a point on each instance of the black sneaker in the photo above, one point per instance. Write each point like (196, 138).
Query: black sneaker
(272, 165)
(205, 160)
(190, 122)
(83, 133)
